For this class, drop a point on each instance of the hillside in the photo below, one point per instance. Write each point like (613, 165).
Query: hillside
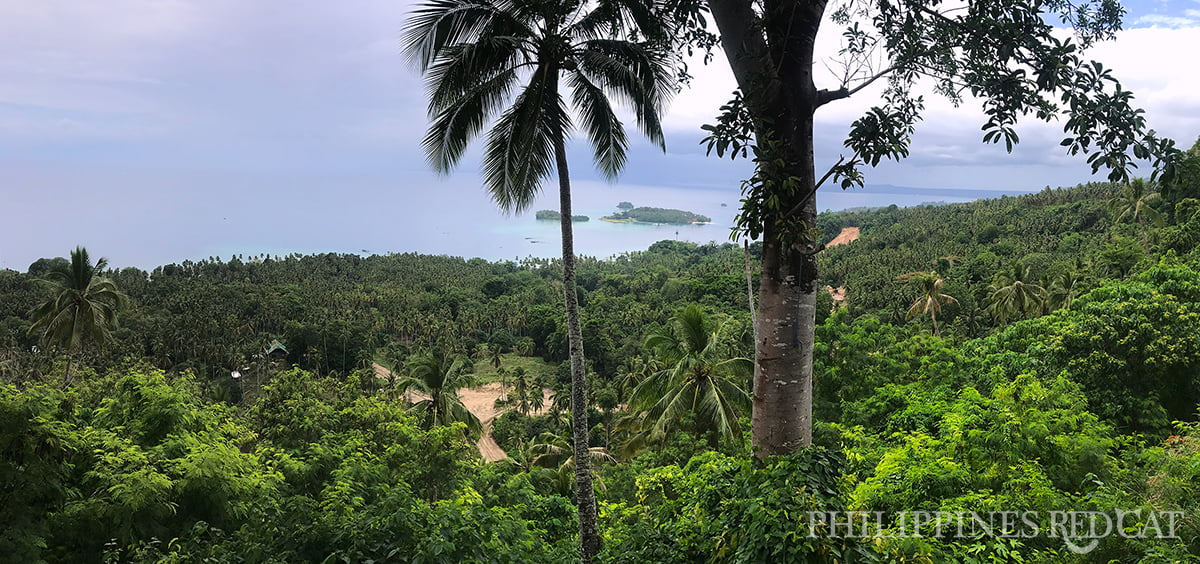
(936, 390)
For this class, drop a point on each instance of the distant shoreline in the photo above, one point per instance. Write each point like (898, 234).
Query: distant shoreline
(631, 220)
(655, 216)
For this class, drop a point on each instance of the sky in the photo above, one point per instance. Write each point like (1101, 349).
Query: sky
(162, 130)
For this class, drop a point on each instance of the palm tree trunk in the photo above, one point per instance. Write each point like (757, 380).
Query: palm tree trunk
(585, 495)
(933, 316)
(1142, 231)
(67, 374)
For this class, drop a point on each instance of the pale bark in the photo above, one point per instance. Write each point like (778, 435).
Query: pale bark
(772, 60)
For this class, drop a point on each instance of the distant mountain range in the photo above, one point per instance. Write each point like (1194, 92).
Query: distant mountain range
(947, 192)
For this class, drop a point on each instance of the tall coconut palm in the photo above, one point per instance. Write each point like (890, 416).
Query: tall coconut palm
(82, 312)
(1135, 201)
(930, 298)
(477, 54)
(1015, 294)
(522, 386)
(438, 376)
(701, 377)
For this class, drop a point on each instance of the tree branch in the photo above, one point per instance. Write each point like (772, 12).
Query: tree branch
(828, 173)
(827, 96)
(831, 170)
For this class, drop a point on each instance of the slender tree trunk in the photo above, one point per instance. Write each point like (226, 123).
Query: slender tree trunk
(67, 374)
(933, 316)
(1142, 230)
(750, 289)
(585, 495)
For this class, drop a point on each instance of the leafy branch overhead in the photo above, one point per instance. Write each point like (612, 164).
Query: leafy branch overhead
(1008, 55)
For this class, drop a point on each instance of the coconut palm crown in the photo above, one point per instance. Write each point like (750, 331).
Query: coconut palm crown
(930, 298)
(438, 376)
(480, 56)
(1015, 295)
(702, 377)
(84, 306)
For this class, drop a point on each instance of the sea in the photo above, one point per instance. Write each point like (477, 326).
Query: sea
(147, 222)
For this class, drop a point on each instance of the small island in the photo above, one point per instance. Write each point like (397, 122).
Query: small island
(552, 215)
(655, 215)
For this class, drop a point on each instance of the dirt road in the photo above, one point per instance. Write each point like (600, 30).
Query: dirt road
(481, 401)
(847, 235)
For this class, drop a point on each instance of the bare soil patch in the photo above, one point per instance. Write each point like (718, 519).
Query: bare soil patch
(481, 401)
(847, 235)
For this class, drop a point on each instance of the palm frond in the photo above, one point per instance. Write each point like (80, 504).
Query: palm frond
(436, 24)
(632, 73)
(603, 128)
(521, 147)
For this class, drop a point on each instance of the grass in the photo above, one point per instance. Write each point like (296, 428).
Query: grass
(545, 371)
(485, 373)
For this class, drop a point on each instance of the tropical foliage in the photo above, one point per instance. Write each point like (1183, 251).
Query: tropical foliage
(156, 453)
(930, 298)
(438, 376)
(701, 379)
(83, 308)
(476, 55)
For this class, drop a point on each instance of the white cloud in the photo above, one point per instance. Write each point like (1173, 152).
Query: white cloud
(233, 80)
(948, 141)
(1174, 22)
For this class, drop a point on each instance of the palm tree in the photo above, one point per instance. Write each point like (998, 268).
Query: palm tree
(1134, 201)
(553, 453)
(522, 383)
(632, 372)
(525, 346)
(1015, 294)
(476, 54)
(701, 377)
(1063, 290)
(83, 309)
(438, 376)
(929, 296)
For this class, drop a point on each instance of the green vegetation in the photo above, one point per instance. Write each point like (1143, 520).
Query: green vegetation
(657, 215)
(551, 215)
(476, 56)
(1057, 371)
(438, 376)
(1082, 399)
(1024, 69)
(82, 310)
(625, 206)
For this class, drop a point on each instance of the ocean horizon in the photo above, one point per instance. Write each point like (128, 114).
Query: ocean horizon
(450, 217)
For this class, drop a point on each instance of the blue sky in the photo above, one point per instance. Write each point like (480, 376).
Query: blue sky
(139, 127)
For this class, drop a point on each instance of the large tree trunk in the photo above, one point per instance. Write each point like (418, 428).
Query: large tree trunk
(585, 495)
(772, 60)
(782, 417)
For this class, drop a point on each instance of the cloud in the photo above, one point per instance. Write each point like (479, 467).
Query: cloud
(948, 142)
(1174, 22)
(227, 84)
